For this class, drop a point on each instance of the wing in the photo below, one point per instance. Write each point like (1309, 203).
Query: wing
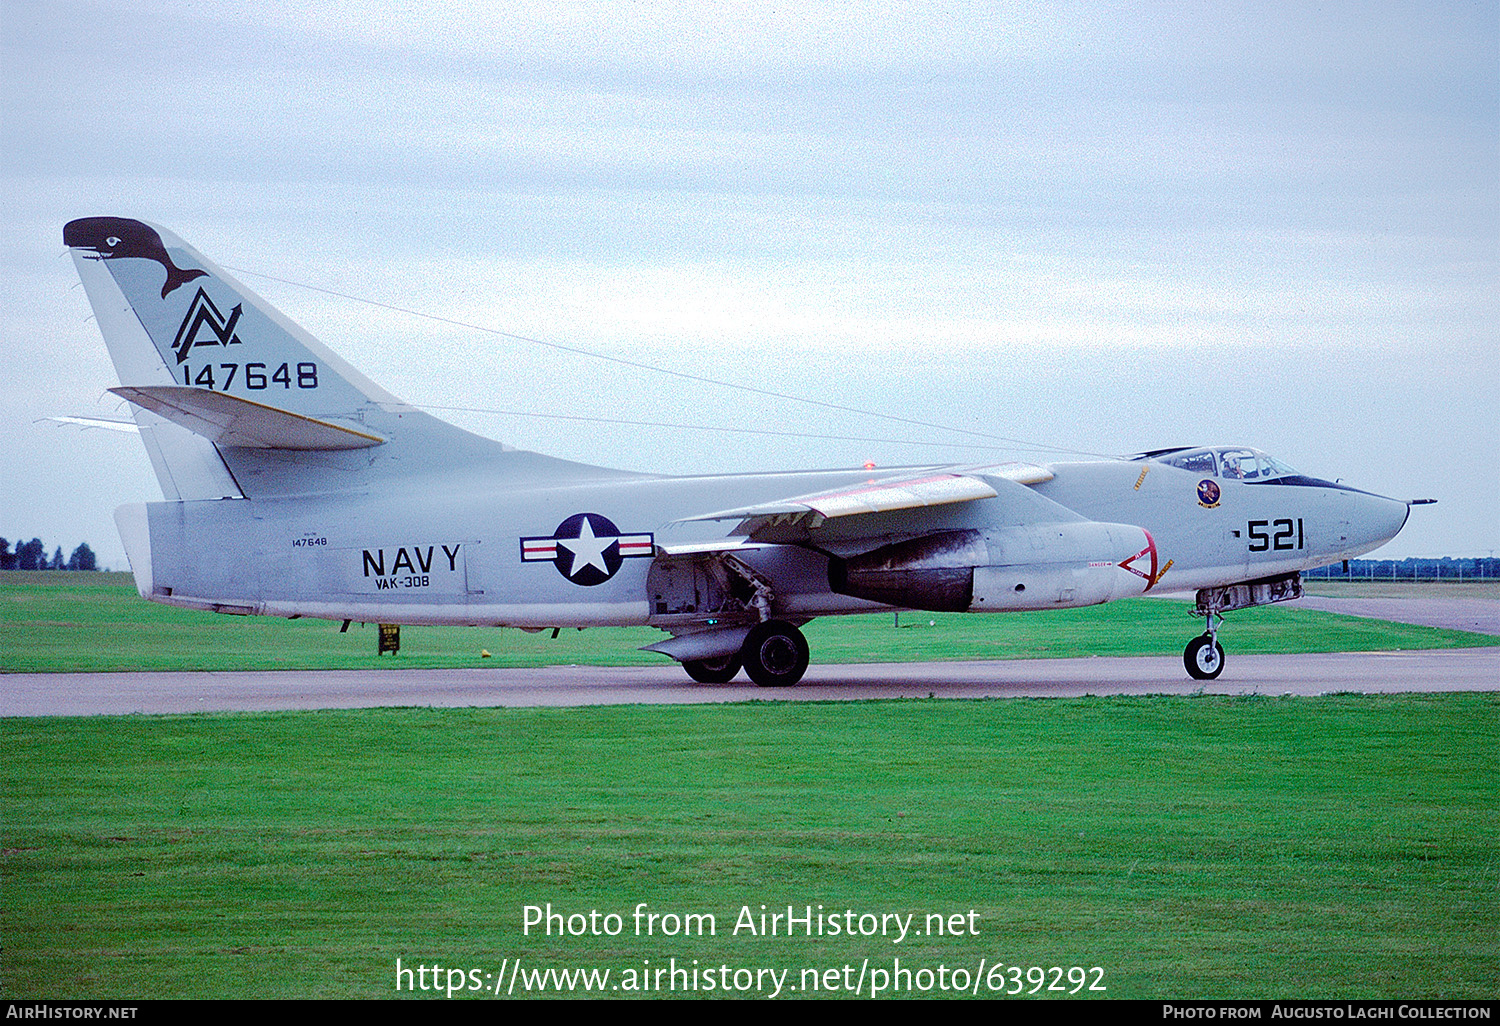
(914, 541)
(807, 513)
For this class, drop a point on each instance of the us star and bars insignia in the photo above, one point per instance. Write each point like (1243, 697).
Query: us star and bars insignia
(587, 548)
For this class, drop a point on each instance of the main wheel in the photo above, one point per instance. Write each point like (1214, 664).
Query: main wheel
(712, 671)
(1204, 658)
(775, 654)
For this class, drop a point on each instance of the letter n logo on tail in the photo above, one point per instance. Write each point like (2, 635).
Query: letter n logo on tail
(201, 313)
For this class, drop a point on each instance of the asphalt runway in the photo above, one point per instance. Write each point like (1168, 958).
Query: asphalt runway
(1473, 669)
(83, 694)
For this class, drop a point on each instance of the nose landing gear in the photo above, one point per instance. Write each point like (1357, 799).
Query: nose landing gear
(1204, 656)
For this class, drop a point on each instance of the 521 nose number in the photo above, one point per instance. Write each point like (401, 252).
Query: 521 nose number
(256, 376)
(1286, 534)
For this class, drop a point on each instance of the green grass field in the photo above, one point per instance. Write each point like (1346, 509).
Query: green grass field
(1190, 847)
(56, 621)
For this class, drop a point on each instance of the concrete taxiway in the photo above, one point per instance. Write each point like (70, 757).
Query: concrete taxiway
(83, 694)
(1482, 616)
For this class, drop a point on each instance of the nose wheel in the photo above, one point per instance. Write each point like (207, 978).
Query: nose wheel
(1204, 656)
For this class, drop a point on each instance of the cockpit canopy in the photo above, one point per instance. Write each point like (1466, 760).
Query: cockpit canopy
(1236, 464)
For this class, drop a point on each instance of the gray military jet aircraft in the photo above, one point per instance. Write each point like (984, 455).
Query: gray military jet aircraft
(294, 486)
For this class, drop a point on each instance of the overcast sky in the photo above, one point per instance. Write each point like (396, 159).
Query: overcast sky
(1098, 228)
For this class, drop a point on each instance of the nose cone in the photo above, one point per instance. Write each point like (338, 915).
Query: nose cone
(1374, 520)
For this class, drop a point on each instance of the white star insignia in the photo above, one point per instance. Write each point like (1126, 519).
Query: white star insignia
(587, 550)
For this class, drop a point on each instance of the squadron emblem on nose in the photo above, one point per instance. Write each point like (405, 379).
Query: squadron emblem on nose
(586, 548)
(1208, 493)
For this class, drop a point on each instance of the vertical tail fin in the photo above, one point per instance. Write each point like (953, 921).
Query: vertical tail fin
(209, 331)
(232, 397)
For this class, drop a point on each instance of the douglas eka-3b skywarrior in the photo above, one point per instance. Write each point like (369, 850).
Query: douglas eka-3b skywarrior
(294, 486)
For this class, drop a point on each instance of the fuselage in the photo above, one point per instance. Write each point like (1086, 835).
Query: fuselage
(448, 548)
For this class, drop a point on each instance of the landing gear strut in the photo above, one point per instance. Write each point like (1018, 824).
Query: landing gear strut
(1204, 656)
(774, 654)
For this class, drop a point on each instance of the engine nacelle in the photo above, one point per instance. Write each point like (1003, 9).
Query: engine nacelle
(1045, 566)
(1056, 566)
(935, 571)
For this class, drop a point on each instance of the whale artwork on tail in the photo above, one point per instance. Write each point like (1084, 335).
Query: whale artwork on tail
(112, 237)
(294, 486)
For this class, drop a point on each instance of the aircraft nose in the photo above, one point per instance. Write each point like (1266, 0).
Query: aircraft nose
(1376, 520)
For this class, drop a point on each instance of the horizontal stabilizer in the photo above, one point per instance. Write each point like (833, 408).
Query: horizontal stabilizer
(125, 426)
(229, 420)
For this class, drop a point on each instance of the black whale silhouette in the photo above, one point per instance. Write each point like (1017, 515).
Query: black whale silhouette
(112, 237)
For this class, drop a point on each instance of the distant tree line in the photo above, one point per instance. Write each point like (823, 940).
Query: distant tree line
(1410, 569)
(32, 555)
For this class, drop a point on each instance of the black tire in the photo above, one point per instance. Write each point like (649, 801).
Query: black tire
(1204, 658)
(712, 671)
(775, 654)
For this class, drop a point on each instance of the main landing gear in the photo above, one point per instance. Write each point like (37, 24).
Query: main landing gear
(713, 671)
(774, 654)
